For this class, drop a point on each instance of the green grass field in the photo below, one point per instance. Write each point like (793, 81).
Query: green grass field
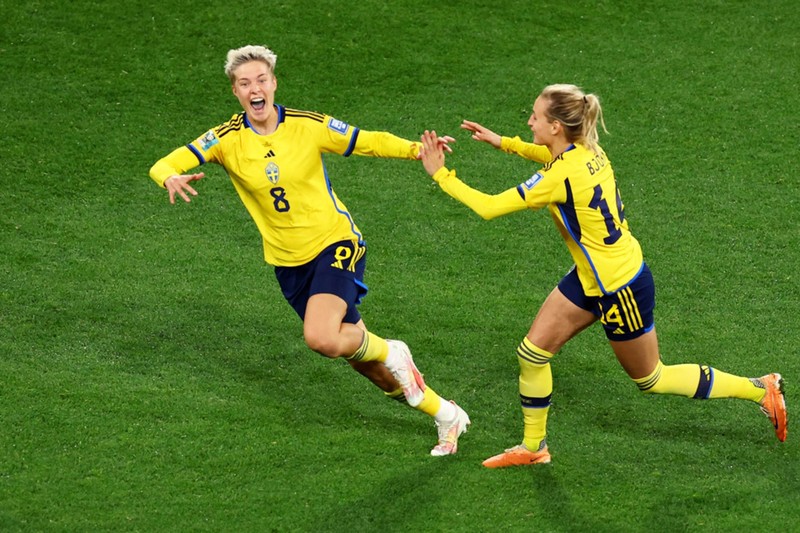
(152, 378)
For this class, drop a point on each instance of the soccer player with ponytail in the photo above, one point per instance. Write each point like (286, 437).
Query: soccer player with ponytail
(610, 281)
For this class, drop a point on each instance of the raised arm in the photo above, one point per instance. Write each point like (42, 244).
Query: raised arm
(384, 144)
(169, 173)
(486, 205)
(509, 145)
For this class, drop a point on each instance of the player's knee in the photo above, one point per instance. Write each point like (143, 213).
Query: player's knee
(322, 344)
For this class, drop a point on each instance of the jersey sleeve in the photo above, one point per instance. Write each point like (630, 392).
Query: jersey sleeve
(341, 138)
(488, 206)
(198, 152)
(534, 152)
(384, 144)
(542, 189)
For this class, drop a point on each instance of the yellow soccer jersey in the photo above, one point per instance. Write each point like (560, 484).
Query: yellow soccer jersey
(281, 177)
(579, 189)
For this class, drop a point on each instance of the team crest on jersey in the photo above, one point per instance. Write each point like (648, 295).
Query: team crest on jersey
(273, 173)
(338, 126)
(532, 181)
(208, 140)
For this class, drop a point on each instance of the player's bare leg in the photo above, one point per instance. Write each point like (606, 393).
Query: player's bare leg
(638, 356)
(557, 321)
(387, 364)
(324, 331)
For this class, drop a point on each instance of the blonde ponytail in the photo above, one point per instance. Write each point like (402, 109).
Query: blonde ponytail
(578, 113)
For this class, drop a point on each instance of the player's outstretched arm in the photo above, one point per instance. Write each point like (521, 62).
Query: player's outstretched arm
(480, 133)
(179, 184)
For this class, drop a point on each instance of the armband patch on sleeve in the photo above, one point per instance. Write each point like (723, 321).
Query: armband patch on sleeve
(208, 140)
(338, 126)
(532, 181)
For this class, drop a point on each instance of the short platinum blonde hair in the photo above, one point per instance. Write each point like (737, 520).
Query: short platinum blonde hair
(245, 54)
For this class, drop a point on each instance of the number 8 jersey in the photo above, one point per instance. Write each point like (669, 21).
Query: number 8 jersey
(281, 177)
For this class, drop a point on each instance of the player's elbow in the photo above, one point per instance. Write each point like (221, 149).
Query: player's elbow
(487, 214)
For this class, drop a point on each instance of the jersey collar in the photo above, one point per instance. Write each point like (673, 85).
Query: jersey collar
(281, 117)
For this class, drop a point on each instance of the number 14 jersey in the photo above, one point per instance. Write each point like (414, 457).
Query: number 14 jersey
(579, 189)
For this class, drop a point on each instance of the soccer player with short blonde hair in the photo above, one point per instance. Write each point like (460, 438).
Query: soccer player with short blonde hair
(273, 155)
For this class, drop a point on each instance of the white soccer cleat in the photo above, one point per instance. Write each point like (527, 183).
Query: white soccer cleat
(449, 433)
(406, 373)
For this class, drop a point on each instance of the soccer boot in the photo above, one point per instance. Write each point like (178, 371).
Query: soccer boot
(406, 373)
(449, 433)
(774, 404)
(519, 456)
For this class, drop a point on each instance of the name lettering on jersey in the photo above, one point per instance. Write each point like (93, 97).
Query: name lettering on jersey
(273, 172)
(532, 181)
(208, 140)
(596, 163)
(338, 126)
(269, 154)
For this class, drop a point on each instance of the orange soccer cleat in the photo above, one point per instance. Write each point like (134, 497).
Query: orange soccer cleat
(774, 404)
(519, 456)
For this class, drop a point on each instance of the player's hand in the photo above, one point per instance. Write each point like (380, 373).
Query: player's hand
(444, 141)
(479, 133)
(432, 153)
(179, 184)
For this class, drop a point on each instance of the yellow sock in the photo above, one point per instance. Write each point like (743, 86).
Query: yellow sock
(373, 348)
(698, 381)
(430, 403)
(535, 390)
(730, 386)
(397, 395)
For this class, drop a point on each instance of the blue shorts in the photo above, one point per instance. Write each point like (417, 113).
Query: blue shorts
(338, 269)
(626, 313)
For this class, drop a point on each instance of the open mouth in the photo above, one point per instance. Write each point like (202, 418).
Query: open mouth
(258, 104)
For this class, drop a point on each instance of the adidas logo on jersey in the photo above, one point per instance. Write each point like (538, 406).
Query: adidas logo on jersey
(269, 154)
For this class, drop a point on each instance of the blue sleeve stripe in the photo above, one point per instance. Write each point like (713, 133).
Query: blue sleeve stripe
(197, 154)
(352, 145)
(520, 191)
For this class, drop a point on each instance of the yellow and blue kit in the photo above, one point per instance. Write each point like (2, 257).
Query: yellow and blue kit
(579, 189)
(281, 177)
